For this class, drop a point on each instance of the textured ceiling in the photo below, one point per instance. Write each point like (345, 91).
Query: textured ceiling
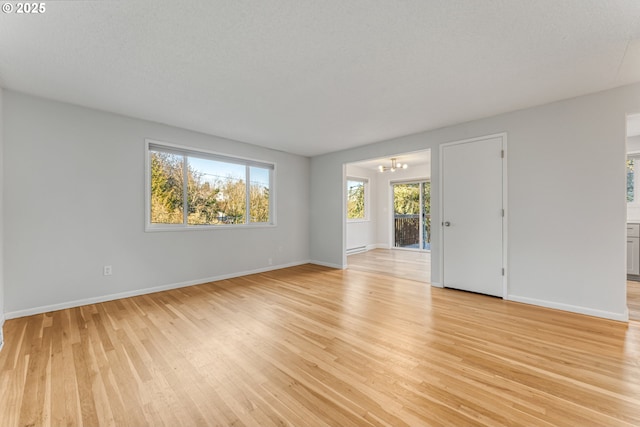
(310, 77)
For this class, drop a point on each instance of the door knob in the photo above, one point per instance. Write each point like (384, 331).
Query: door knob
(446, 223)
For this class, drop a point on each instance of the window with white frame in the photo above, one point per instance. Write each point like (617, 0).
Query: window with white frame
(357, 199)
(189, 188)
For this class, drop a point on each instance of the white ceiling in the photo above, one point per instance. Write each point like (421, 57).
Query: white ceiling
(310, 77)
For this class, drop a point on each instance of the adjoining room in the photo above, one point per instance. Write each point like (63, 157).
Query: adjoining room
(633, 216)
(388, 215)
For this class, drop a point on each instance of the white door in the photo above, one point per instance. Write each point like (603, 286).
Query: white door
(472, 215)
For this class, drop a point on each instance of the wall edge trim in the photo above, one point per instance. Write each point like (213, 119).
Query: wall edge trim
(621, 317)
(328, 264)
(2, 319)
(144, 291)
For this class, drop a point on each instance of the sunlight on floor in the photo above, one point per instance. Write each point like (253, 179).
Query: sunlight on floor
(412, 265)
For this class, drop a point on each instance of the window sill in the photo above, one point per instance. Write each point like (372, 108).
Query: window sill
(155, 228)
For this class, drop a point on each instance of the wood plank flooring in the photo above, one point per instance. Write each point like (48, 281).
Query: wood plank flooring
(312, 346)
(411, 265)
(633, 299)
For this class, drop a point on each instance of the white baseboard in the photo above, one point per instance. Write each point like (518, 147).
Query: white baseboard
(357, 250)
(379, 246)
(622, 317)
(328, 264)
(366, 248)
(111, 297)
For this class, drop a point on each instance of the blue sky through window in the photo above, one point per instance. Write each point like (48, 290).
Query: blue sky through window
(212, 171)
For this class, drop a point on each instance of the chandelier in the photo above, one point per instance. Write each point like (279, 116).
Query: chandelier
(394, 165)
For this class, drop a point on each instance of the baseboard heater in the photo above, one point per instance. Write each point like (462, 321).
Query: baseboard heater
(356, 250)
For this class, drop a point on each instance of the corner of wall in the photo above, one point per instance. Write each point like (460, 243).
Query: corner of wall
(1, 332)
(1, 220)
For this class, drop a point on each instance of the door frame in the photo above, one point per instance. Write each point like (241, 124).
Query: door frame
(505, 219)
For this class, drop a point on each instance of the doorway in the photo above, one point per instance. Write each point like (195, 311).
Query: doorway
(411, 215)
(370, 237)
(633, 216)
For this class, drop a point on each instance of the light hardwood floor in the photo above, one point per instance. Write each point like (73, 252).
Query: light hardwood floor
(312, 346)
(633, 299)
(405, 264)
(417, 266)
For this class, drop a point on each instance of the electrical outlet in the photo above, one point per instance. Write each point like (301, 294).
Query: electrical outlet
(107, 270)
(270, 261)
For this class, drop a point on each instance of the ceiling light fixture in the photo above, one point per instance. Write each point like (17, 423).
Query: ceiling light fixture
(394, 165)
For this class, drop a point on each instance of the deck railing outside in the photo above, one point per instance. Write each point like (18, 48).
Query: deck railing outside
(407, 230)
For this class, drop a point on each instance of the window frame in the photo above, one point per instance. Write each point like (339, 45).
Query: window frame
(155, 145)
(366, 184)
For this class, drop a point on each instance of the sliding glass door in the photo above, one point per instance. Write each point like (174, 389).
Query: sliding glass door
(412, 215)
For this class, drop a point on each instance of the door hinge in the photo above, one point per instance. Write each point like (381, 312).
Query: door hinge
(502, 154)
(503, 271)
(503, 213)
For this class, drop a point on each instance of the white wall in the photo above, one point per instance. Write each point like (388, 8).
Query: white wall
(74, 202)
(1, 220)
(384, 227)
(560, 255)
(363, 233)
(633, 144)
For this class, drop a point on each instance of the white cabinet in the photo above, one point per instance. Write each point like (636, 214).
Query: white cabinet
(633, 255)
(633, 249)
